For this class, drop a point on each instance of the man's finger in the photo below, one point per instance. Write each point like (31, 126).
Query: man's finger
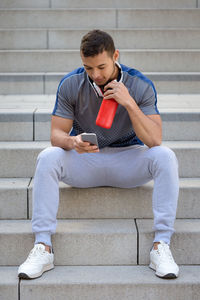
(108, 92)
(110, 85)
(87, 148)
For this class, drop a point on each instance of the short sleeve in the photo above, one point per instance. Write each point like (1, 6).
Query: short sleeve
(148, 102)
(63, 106)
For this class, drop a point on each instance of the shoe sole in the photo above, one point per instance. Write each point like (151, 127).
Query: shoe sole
(45, 269)
(166, 276)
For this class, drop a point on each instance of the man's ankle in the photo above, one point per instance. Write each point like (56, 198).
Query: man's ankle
(155, 245)
(47, 248)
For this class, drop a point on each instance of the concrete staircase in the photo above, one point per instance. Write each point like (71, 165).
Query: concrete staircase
(104, 235)
(154, 36)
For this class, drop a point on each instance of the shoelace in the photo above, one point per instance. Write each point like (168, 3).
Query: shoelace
(35, 254)
(165, 253)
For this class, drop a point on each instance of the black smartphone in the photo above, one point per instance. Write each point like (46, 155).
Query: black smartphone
(90, 137)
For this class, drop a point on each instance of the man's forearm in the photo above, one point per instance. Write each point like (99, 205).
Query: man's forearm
(148, 131)
(62, 139)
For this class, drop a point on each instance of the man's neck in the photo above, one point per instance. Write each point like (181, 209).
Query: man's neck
(115, 73)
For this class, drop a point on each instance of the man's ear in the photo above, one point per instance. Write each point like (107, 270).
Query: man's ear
(116, 55)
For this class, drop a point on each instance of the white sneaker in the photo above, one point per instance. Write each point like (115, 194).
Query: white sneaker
(39, 261)
(161, 260)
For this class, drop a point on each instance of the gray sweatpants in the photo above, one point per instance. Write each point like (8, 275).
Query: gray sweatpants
(125, 167)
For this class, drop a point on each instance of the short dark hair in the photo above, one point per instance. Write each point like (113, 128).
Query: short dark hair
(95, 42)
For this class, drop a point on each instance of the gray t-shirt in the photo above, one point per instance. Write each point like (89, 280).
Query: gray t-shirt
(79, 100)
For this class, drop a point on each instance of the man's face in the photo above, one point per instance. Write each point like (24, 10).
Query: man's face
(101, 68)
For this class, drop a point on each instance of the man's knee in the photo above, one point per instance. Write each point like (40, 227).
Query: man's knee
(164, 156)
(50, 157)
(50, 153)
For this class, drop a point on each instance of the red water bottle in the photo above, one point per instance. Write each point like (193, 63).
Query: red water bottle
(106, 113)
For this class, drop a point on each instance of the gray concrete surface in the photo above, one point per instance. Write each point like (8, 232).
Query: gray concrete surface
(8, 283)
(94, 4)
(184, 242)
(59, 18)
(26, 4)
(92, 18)
(15, 84)
(103, 202)
(125, 4)
(108, 202)
(94, 240)
(16, 125)
(162, 60)
(77, 242)
(47, 83)
(67, 60)
(13, 198)
(123, 282)
(42, 124)
(168, 18)
(23, 39)
(177, 125)
(173, 38)
(18, 159)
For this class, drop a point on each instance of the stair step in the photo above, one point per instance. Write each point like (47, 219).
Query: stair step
(30, 83)
(186, 234)
(33, 102)
(8, 283)
(109, 202)
(170, 60)
(47, 83)
(103, 202)
(103, 237)
(168, 18)
(77, 242)
(17, 124)
(27, 4)
(100, 203)
(186, 162)
(125, 4)
(34, 124)
(100, 241)
(92, 18)
(17, 159)
(179, 125)
(162, 38)
(113, 283)
(101, 282)
(170, 102)
(14, 198)
(69, 18)
(95, 4)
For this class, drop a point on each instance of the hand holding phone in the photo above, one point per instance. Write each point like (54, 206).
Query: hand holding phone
(90, 137)
(90, 147)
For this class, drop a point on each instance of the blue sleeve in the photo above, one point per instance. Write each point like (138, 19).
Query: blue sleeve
(63, 106)
(148, 101)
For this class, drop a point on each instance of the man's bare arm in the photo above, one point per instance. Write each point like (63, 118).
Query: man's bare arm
(148, 128)
(60, 128)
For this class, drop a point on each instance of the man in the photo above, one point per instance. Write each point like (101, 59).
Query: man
(122, 159)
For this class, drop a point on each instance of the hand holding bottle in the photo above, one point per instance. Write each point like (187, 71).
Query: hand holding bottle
(115, 93)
